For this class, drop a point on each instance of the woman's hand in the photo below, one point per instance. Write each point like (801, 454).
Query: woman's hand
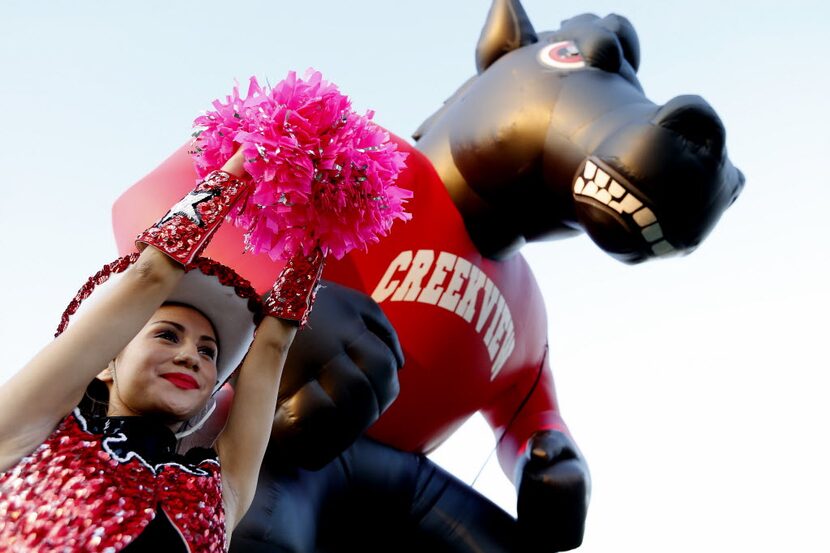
(235, 165)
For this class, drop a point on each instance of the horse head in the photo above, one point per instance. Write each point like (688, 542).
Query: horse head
(555, 135)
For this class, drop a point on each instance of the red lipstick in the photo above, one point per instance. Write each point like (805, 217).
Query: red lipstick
(181, 380)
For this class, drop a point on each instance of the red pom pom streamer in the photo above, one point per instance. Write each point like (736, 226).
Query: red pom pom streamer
(323, 176)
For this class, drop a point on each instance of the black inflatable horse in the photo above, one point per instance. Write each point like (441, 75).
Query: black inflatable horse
(551, 138)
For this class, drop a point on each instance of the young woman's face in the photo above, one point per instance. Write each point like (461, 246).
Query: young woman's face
(168, 369)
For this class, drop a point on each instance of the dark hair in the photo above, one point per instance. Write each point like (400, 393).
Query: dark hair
(96, 400)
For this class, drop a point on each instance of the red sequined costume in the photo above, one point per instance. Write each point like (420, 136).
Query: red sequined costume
(95, 485)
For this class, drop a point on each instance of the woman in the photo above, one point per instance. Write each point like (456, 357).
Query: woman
(164, 338)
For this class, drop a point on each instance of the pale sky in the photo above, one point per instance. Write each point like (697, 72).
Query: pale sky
(696, 387)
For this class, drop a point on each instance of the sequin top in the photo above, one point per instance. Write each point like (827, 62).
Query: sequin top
(95, 484)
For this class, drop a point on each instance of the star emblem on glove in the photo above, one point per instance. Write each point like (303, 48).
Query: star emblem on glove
(187, 206)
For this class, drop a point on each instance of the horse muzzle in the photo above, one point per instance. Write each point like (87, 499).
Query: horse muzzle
(657, 187)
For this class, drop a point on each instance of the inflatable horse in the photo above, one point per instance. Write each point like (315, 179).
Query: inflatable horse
(553, 137)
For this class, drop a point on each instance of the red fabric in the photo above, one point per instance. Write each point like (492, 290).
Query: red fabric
(447, 373)
(189, 225)
(150, 198)
(73, 493)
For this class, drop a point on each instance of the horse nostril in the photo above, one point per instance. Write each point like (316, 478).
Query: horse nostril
(693, 119)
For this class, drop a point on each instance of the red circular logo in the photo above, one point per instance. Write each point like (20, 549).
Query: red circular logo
(562, 55)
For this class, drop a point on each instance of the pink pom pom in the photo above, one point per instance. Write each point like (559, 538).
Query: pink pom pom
(324, 176)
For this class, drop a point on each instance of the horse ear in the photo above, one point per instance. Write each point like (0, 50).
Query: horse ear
(627, 36)
(506, 29)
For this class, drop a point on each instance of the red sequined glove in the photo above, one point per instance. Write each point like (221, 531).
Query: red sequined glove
(185, 231)
(294, 292)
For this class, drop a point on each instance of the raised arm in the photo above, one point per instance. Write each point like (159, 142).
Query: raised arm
(35, 399)
(241, 446)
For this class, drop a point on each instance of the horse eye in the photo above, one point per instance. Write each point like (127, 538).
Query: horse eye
(562, 55)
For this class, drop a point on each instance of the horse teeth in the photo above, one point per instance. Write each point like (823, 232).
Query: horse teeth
(589, 171)
(597, 184)
(590, 190)
(602, 178)
(630, 204)
(653, 233)
(603, 196)
(662, 248)
(644, 217)
(616, 190)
